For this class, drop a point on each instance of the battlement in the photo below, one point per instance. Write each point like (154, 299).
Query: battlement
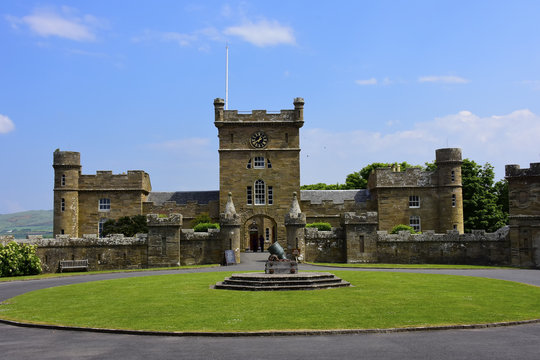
(516, 171)
(159, 220)
(66, 158)
(448, 155)
(411, 177)
(106, 180)
(295, 116)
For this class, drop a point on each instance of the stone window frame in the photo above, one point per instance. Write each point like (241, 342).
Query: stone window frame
(414, 201)
(249, 195)
(268, 164)
(267, 234)
(62, 204)
(454, 200)
(270, 191)
(259, 192)
(101, 223)
(453, 175)
(415, 223)
(104, 204)
(258, 162)
(248, 166)
(63, 180)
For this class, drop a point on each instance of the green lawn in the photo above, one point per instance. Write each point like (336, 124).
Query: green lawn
(408, 266)
(184, 302)
(53, 275)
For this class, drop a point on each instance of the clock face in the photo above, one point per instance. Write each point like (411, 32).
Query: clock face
(258, 140)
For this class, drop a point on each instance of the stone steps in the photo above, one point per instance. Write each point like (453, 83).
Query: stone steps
(275, 282)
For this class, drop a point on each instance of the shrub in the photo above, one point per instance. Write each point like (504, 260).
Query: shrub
(19, 259)
(201, 218)
(401, 227)
(203, 227)
(321, 226)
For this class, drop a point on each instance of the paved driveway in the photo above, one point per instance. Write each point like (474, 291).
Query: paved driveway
(515, 342)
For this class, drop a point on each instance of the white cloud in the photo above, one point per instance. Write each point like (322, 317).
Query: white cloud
(448, 79)
(371, 81)
(66, 24)
(263, 33)
(498, 139)
(6, 125)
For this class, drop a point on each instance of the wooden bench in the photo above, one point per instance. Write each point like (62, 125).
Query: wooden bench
(73, 265)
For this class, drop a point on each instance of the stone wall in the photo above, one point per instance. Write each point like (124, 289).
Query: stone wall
(477, 248)
(325, 246)
(189, 211)
(201, 247)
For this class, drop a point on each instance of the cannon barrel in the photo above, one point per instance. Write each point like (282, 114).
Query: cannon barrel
(276, 249)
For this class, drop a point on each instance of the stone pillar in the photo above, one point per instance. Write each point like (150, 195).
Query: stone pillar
(229, 223)
(295, 224)
(360, 233)
(164, 240)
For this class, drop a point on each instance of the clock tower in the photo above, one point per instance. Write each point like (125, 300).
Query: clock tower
(259, 163)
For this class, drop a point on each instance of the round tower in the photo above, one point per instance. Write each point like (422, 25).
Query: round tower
(448, 163)
(67, 169)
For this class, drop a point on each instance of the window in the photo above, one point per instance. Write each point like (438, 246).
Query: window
(63, 180)
(267, 234)
(270, 195)
(259, 192)
(62, 204)
(249, 196)
(249, 164)
(258, 162)
(62, 231)
(414, 201)
(455, 226)
(414, 222)
(453, 200)
(453, 176)
(101, 223)
(104, 204)
(269, 164)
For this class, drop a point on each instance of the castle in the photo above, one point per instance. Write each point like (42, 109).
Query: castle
(259, 163)
(259, 167)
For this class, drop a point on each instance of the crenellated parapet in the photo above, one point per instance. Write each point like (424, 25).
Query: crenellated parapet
(160, 220)
(516, 171)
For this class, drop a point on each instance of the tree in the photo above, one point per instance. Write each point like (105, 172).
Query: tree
(202, 218)
(129, 226)
(483, 201)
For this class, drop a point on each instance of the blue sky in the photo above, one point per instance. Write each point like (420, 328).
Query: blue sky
(131, 84)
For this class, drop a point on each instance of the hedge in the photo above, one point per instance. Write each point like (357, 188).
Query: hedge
(321, 226)
(203, 227)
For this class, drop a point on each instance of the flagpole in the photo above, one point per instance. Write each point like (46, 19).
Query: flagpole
(227, 77)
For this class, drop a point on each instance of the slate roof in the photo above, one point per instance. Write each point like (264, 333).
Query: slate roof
(182, 197)
(336, 196)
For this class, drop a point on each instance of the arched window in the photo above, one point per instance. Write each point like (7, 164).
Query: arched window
(249, 164)
(62, 204)
(453, 176)
(453, 200)
(63, 181)
(269, 164)
(260, 192)
(258, 162)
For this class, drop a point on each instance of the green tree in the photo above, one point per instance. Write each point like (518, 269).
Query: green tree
(202, 218)
(127, 225)
(483, 201)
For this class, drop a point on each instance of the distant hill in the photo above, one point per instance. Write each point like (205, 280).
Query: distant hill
(33, 222)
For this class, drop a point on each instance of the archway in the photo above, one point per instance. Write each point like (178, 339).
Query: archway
(259, 232)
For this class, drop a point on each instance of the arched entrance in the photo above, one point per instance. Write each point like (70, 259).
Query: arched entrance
(259, 232)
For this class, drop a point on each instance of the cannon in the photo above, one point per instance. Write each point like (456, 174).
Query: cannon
(277, 250)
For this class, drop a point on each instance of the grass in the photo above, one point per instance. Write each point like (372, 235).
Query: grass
(409, 266)
(184, 302)
(54, 275)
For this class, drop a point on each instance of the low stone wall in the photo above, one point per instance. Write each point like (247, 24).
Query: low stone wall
(114, 252)
(476, 248)
(201, 247)
(325, 246)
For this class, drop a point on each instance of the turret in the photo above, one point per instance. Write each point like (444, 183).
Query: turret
(67, 169)
(448, 163)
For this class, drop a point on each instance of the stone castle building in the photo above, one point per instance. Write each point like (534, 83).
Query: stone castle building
(259, 164)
